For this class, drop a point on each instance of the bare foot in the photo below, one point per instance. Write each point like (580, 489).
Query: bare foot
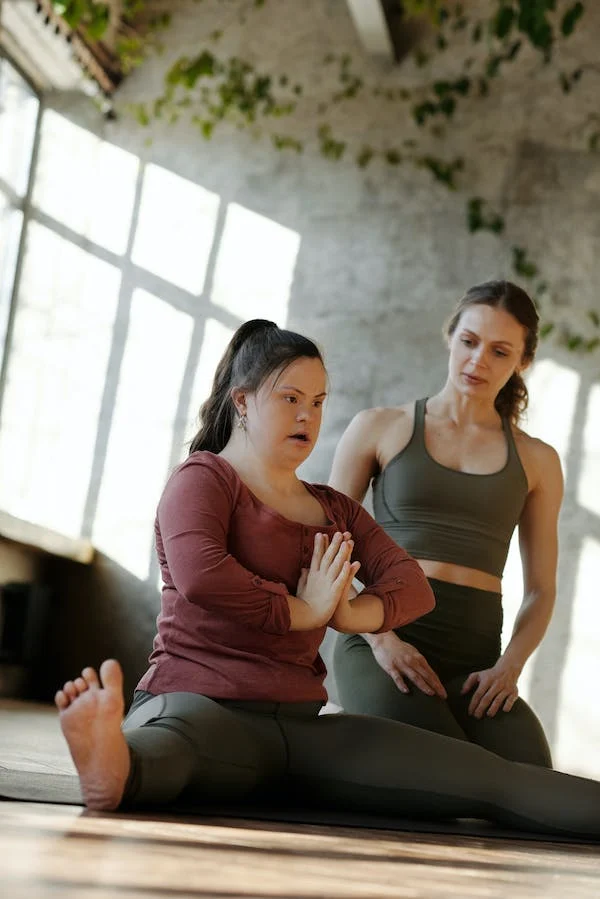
(90, 717)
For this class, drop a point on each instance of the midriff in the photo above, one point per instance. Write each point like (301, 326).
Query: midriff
(460, 574)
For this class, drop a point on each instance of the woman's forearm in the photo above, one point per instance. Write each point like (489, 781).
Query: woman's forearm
(363, 614)
(530, 626)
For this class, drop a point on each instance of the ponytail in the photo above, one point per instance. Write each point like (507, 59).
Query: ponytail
(512, 400)
(257, 348)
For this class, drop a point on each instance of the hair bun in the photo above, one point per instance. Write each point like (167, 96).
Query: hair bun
(249, 329)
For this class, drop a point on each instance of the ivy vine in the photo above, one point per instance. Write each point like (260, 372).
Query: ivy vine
(212, 88)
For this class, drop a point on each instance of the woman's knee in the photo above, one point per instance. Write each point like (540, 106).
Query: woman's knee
(517, 735)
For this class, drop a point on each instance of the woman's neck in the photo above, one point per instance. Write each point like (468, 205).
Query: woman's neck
(259, 472)
(463, 410)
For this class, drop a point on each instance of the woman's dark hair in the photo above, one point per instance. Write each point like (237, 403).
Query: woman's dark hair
(512, 400)
(257, 349)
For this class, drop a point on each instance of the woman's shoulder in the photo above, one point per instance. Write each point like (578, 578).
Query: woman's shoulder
(205, 467)
(374, 425)
(540, 459)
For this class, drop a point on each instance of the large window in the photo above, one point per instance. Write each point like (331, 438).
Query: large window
(19, 116)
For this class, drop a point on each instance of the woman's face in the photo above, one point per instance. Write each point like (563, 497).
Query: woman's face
(284, 415)
(485, 349)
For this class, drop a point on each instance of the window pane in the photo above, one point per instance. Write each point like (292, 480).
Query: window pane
(10, 229)
(18, 114)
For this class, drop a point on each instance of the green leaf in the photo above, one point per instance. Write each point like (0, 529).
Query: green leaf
(594, 141)
(392, 157)
(570, 19)
(522, 265)
(592, 344)
(503, 22)
(546, 329)
(364, 157)
(594, 317)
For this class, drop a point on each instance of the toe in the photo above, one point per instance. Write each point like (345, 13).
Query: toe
(70, 690)
(111, 675)
(90, 677)
(61, 700)
(80, 685)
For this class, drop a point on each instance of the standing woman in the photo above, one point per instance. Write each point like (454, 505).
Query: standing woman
(255, 564)
(453, 475)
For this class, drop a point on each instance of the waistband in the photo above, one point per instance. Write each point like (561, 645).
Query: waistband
(307, 709)
(274, 709)
(460, 591)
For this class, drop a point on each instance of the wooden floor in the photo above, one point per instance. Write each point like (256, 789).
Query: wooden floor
(63, 851)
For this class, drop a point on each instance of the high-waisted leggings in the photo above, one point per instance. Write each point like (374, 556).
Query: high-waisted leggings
(188, 746)
(462, 634)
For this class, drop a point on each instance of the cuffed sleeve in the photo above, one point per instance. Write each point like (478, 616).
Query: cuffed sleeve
(387, 571)
(193, 525)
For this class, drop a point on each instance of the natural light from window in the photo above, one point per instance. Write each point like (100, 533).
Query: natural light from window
(176, 228)
(551, 386)
(85, 183)
(578, 735)
(255, 266)
(59, 356)
(141, 435)
(588, 488)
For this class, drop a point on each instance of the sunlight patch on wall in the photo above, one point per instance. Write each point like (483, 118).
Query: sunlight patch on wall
(255, 266)
(58, 361)
(176, 228)
(552, 387)
(512, 597)
(18, 116)
(85, 183)
(11, 220)
(579, 726)
(139, 445)
(214, 343)
(588, 488)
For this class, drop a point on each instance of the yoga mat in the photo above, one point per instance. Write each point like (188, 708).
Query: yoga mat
(63, 789)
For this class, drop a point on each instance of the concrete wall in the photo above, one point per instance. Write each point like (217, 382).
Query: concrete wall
(142, 258)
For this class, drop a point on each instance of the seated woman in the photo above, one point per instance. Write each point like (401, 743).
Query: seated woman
(452, 477)
(255, 564)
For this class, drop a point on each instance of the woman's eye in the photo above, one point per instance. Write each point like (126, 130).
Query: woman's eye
(500, 353)
(467, 341)
(291, 399)
(318, 404)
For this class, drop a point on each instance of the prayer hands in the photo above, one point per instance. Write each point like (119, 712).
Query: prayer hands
(496, 688)
(403, 662)
(328, 580)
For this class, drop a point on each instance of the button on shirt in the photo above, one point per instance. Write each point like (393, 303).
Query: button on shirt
(228, 564)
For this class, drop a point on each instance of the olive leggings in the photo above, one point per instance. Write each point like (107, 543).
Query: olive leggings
(462, 634)
(187, 746)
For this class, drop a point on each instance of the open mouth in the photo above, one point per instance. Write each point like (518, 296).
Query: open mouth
(300, 438)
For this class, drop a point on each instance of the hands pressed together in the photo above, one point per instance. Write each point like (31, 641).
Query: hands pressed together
(328, 581)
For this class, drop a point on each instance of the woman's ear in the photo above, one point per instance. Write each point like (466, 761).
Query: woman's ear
(238, 397)
(523, 366)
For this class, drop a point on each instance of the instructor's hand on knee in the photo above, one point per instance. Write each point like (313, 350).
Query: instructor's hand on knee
(404, 663)
(493, 689)
(329, 578)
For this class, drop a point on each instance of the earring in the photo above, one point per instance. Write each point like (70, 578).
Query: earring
(242, 422)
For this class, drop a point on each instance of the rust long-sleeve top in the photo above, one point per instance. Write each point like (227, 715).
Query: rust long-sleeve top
(228, 563)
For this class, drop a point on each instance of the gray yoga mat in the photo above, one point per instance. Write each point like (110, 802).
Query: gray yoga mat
(63, 789)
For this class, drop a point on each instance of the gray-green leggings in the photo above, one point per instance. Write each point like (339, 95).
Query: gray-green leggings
(462, 634)
(184, 745)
